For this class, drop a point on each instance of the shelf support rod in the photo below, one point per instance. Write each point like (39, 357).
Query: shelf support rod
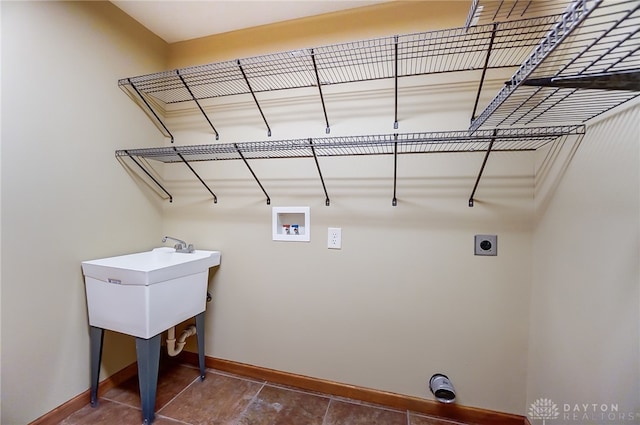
(151, 109)
(617, 80)
(327, 202)
(215, 198)
(149, 174)
(198, 103)
(513, 6)
(526, 8)
(252, 173)
(255, 99)
(484, 70)
(324, 109)
(497, 10)
(484, 162)
(395, 122)
(394, 201)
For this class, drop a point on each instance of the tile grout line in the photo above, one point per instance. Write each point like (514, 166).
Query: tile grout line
(169, 418)
(326, 413)
(231, 375)
(296, 390)
(367, 404)
(253, 399)
(178, 395)
(110, 400)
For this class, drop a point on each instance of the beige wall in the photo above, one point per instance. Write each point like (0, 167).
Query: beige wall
(405, 297)
(584, 331)
(65, 198)
(401, 17)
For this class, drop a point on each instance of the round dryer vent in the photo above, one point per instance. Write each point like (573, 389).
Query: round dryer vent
(442, 388)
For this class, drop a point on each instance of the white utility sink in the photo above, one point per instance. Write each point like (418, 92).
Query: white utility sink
(145, 293)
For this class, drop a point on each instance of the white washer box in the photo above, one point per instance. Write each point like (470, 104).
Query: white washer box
(287, 219)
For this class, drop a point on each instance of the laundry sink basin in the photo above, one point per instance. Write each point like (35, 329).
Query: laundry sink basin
(145, 293)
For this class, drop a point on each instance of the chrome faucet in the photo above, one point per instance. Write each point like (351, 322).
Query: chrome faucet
(181, 246)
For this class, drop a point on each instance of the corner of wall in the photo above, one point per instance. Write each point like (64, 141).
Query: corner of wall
(586, 277)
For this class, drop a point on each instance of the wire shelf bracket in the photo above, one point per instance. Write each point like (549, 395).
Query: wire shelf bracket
(327, 201)
(395, 83)
(237, 148)
(324, 109)
(159, 123)
(198, 104)
(484, 162)
(255, 99)
(394, 200)
(215, 198)
(126, 152)
(484, 71)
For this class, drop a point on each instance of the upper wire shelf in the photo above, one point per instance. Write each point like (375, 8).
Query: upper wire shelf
(457, 49)
(496, 45)
(586, 65)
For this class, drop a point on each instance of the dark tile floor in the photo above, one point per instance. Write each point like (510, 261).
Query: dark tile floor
(224, 399)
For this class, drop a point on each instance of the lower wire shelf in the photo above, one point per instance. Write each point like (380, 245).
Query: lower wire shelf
(493, 140)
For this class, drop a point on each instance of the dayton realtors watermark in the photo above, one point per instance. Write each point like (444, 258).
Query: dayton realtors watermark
(601, 413)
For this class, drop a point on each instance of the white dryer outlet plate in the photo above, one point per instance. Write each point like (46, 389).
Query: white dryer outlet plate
(486, 245)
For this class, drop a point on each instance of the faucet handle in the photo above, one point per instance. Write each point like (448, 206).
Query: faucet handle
(180, 246)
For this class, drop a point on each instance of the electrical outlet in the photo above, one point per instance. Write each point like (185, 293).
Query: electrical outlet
(334, 238)
(486, 245)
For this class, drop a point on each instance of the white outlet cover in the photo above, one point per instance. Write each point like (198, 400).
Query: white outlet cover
(486, 245)
(334, 238)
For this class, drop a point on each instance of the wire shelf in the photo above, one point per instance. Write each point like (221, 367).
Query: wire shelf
(594, 38)
(512, 139)
(458, 49)
(487, 141)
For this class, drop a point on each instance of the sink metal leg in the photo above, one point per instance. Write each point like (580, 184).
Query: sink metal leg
(96, 336)
(200, 337)
(148, 353)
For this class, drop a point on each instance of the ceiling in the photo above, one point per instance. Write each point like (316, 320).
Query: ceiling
(175, 21)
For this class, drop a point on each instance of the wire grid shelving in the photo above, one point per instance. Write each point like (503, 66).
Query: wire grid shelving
(511, 139)
(597, 39)
(458, 49)
(592, 37)
(498, 45)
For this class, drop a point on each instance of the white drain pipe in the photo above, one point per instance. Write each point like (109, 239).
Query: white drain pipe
(174, 349)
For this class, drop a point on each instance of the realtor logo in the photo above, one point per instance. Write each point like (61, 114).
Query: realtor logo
(543, 408)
